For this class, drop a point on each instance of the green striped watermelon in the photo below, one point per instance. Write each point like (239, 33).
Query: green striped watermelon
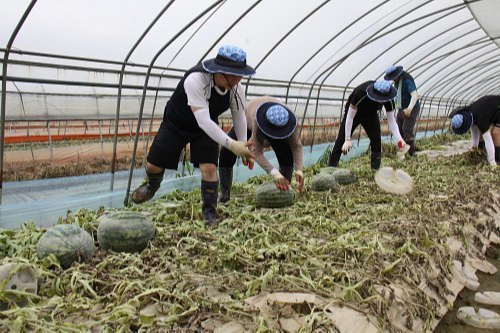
(268, 195)
(342, 176)
(125, 231)
(68, 242)
(323, 182)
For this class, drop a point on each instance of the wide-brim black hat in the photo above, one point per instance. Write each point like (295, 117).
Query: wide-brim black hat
(393, 73)
(273, 131)
(466, 122)
(381, 96)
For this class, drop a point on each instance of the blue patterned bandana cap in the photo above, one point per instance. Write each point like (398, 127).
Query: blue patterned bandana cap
(390, 69)
(232, 52)
(277, 115)
(382, 86)
(457, 121)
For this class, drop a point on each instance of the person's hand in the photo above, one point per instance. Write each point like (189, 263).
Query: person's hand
(240, 148)
(403, 147)
(249, 162)
(279, 180)
(346, 146)
(406, 113)
(299, 175)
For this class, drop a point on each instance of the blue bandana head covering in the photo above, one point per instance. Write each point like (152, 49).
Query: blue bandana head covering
(382, 86)
(230, 60)
(390, 69)
(457, 121)
(277, 115)
(232, 53)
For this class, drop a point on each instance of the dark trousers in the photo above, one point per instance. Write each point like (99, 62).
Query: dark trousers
(282, 149)
(406, 127)
(371, 124)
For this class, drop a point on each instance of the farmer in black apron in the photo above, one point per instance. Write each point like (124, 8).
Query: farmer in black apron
(362, 109)
(483, 118)
(191, 116)
(407, 103)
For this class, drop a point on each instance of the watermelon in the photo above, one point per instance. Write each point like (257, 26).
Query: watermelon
(342, 176)
(68, 242)
(124, 231)
(323, 182)
(268, 195)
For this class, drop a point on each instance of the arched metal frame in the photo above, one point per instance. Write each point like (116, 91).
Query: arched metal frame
(475, 72)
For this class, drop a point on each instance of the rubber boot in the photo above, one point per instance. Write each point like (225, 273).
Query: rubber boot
(411, 143)
(497, 155)
(147, 190)
(334, 159)
(287, 172)
(225, 181)
(376, 159)
(209, 196)
(482, 146)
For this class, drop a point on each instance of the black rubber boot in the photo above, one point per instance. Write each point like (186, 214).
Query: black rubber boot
(411, 143)
(334, 159)
(376, 159)
(482, 146)
(226, 181)
(497, 155)
(287, 172)
(209, 196)
(147, 190)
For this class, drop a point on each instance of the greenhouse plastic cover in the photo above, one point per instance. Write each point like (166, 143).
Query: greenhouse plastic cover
(62, 60)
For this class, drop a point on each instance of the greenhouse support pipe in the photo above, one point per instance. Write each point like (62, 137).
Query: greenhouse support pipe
(427, 41)
(475, 75)
(245, 13)
(4, 87)
(326, 44)
(456, 77)
(83, 59)
(485, 71)
(285, 36)
(148, 136)
(484, 79)
(367, 41)
(396, 43)
(120, 87)
(143, 99)
(332, 67)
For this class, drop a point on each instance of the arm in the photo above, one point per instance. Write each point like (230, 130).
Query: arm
(298, 158)
(490, 147)
(393, 126)
(239, 148)
(351, 113)
(475, 136)
(238, 113)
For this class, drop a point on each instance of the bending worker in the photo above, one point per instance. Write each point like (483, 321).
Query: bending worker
(191, 116)
(362, 109)
(271, 124)
(482, 117)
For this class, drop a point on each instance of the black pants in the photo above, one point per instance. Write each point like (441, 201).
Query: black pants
(282, 149)
(406, 125)
(371, 124)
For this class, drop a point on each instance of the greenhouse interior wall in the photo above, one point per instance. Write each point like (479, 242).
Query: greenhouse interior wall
(57, 91)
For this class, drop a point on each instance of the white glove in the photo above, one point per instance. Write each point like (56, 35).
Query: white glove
(299, 175)
(346, 146)
(403, 147)
(279, 180)
(240, 148)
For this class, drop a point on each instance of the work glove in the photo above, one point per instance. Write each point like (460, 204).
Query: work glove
(299, 176)
(279, 180)
(403, 147)
(240, 148)
(249, 162)
(346, 146)
(407, 113)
